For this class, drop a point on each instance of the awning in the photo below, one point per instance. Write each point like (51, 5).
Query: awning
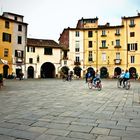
(2, 61)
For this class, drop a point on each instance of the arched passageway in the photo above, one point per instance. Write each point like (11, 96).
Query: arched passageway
(117, 72)
(92, 71)
(5, 71)
(77, 71)
(30, 72)
(104, 72)
(48, 70)
(133, 72)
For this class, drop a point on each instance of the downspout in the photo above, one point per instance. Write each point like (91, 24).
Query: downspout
(126, 45)
(96, 49)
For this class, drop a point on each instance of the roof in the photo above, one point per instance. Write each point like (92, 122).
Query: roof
(138, 16)
(5, 18)
(42, 43)
(9, 13)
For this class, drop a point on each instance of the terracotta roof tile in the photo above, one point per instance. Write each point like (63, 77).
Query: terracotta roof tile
(42, 43)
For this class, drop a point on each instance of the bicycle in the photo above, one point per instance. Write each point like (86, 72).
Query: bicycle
(126, 85)
(98, 84)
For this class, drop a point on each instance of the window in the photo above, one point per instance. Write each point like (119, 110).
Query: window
(30, 60)
(103, 43)
(117, 31)
(16, 18)
(90, 56)
(117, 42)
(30, 49)
(19, 27)
(132, 47)
(117, 55)
(77, 34)
(6, 37)
(132, 22)
(103, 56)
(48, 51)
(65, 62)
(7, 24)
(90, 44)
(90, 33)
(77, 46)
(19, 40)
(103, 32)
(77, 59)
(132, 34)
(132, 59)
(18, 53)
(6, 52)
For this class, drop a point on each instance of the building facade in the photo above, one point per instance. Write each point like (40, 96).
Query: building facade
(13, 42)
(6, 29)
(106, 48)
(42, 58)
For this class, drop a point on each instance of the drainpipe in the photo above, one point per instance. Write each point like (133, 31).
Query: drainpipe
(126, 44)
(96, 49)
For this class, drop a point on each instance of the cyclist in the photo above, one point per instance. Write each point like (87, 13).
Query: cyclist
(97, 77)
(88, 76)
(126, 77)
(121, 77)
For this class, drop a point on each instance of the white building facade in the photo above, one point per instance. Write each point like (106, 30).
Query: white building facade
(42, 58)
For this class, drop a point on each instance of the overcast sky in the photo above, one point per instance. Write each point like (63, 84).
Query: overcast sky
(48, 18)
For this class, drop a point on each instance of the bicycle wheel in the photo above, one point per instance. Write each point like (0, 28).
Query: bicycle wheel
(127, 85)
(90, 85)
(118, 83)
(99, 86)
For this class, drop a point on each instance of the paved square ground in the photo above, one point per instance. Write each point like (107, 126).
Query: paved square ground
(50, 109)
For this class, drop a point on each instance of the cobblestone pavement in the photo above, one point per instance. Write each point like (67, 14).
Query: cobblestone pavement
(50, 109)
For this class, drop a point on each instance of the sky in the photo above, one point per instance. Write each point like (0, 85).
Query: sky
(47, 18)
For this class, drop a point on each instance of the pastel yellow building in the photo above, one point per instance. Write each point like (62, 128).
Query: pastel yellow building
(110, 49)
(6, 28)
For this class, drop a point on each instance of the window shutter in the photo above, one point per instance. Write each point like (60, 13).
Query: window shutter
(22, 54)
(128, 47)
(136, 47)
(16, 55)
(27, 48)
(33, 49)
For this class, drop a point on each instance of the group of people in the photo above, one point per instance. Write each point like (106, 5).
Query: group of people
(124, 76)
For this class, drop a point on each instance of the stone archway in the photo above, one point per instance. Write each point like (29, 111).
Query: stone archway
(133, 72)
(5, 71)
(65, 70)
(117, 71)
(77, 71)
(92, 71)
(30, 72)
(104, 72)
(47, 70)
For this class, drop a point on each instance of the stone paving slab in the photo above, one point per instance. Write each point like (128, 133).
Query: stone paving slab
(50, 109)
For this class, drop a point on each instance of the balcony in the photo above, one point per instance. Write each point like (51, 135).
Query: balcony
(19, 60)
(132, 25)
(77, 63)
(103, 35)
(103, 47)
(117, 34)
(117, 61)
(117, 46)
